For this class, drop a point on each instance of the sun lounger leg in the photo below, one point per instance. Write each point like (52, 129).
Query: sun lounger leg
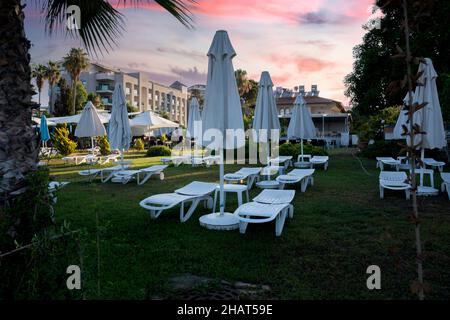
(279, 224)
(408, 194)
(381, 192)
(243, 226)
(185, 217)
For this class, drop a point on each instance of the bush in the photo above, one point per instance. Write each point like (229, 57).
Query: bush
(382, 148)
(104, 146)
(294, 150)
(139, 145)
(159, 151)
(62, 142)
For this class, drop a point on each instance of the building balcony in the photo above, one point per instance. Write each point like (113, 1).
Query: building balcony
(107, 102)
(105, 76)
(104, 88)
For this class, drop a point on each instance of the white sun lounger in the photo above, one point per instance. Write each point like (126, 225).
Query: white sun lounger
(177, 160)
(54, 186)
(393, 180)
(208, 161)
(426, 190)
(434, 164)
(195, 192)
(445, 183)
(320, 160)
(107, 159)
(382, 161)
(269, 205)
(302, 176)
(284, 161)
(304, 161)
(105, 174)
(124, 176)
(78, 159)
(244, 174)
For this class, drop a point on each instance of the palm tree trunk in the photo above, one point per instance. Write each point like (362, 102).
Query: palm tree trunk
(18, 152)
(74, 96)
(50, 100)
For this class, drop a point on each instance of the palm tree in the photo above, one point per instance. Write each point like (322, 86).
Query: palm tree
(100, 25)
(39, 73)
(53, 74)
(243, 84)
(75, 62)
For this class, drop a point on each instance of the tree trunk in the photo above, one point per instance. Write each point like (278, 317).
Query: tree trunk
(74, 96)
(18, 143)
(50, 100)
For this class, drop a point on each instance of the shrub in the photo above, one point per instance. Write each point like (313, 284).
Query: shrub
(62, 142)
(294, 150)
(159, 151)
(139, 144)
(104, 146)
(382, 148)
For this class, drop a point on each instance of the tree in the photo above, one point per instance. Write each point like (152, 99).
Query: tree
(81, 96)
(75, 62)
(39, 73)
(243, 84)
(62, 101)
(100, 25)
(197, 94)
(368, 86)
(53, 74)
(96, 100)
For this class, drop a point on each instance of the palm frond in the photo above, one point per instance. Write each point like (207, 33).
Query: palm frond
(177, 8)
(100, 26)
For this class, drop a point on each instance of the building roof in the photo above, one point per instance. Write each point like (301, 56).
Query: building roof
(177, 84)
(310, 100)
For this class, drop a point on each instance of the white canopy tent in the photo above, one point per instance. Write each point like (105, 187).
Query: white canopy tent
(222, 111)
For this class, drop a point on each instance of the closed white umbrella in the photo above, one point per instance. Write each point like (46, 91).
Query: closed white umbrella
(266, 114)
(301, 124)
(431, 120)
(222, 112)
(402, 119)
(119, 134)
(90, 124)
(194, 127)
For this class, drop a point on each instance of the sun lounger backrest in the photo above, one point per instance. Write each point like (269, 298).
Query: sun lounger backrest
(271, 196)
(301, 172)
(197, 188)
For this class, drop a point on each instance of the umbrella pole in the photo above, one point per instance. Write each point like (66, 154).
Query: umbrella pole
(92, 145)
(222, 170)
(301, 143)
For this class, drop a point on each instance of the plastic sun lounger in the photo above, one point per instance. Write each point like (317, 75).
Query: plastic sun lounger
(75, 159)
(106, 159)
(208, 161)
(394, 180)
(269, 205)
(177, 160)
(320, 160)
(249, 174)
(302, 176)
(105, 174)
(194, 192)
(434, 164)
(285, 161)
(445, 183)
(124, 176)
(304, 161)
(426, 190)
(381, 161)
(54, 186)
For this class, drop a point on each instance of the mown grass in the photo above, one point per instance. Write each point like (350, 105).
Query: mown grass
(340, 227)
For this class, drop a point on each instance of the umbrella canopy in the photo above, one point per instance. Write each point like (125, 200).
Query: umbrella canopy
(301, 124)
(104, 118)
(151, 121)
(402, 119)
(90, 124)
(194, 128)
(119, 134)
(431, 116)
(222, 111)
(266, 114)
(45, 135)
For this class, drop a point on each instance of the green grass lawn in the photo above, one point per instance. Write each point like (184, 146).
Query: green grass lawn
(340, 227)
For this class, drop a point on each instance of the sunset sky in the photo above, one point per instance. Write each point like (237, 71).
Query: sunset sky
(300, 42)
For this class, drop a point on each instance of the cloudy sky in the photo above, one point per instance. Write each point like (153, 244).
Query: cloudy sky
(300, 42)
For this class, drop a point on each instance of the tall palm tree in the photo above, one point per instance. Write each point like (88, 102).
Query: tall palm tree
(53, 74)
(39, 73)
(100, 24)
(75, 62)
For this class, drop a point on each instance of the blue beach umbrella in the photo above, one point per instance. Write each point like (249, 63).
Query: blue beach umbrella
(45, 135)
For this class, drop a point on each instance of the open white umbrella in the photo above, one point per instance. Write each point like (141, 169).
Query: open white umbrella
(194, 128)
(301, 125)
(222, 112)
(90, 124)
(119, 134)
(152, 121)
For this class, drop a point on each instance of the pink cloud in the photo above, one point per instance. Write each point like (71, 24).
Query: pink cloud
(312, 64)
